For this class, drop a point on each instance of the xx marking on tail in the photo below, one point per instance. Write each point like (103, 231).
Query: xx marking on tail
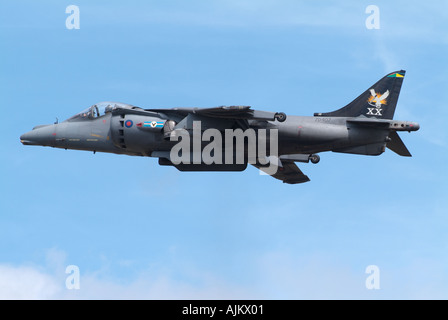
(376, 100)
(374, 112)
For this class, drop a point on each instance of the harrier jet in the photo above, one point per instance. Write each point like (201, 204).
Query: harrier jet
(365, 126)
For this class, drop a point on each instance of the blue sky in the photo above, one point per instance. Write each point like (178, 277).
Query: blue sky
(138, 230)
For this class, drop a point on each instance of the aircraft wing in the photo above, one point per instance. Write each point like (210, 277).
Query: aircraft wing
(226, 112)
(288, 172)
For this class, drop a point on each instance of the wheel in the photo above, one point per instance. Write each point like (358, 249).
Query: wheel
(280, 116)
(314, 158)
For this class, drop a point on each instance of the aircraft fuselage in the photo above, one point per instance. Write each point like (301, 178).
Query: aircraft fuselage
(121, 134)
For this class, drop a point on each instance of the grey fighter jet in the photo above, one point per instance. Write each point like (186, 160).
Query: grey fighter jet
(364, 126)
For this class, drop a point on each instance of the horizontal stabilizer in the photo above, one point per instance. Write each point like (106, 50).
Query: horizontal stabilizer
(397, 145)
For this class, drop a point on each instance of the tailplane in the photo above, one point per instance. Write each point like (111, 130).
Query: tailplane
(378, 101)
(397, 145)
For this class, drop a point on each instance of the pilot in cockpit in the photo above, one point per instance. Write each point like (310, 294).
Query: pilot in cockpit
(95, 111)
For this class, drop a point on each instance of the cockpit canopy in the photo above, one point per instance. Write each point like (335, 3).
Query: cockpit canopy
(98, 110)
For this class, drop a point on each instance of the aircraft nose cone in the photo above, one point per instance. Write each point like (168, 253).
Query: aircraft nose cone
(39, 136)
(27, 138)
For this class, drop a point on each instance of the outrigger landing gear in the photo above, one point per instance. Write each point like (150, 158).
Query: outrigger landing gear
(314, 158)
(280, 116)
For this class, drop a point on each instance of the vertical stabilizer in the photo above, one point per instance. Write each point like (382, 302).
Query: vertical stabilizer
(378, 101)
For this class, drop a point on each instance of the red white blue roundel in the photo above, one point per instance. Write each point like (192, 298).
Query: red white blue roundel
(128, 123)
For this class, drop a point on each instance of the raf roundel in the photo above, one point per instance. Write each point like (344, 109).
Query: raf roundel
(128, 123)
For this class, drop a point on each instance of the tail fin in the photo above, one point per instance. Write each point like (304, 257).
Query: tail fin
(379, 101)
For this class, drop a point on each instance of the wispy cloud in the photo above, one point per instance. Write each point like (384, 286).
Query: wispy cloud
(23, 282)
